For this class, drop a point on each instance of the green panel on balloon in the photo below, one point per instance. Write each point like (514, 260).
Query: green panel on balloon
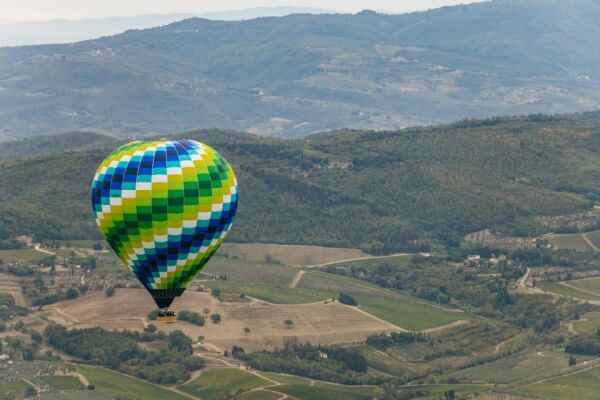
(164, 207)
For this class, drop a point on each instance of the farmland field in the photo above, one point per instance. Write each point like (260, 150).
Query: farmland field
(558, 288)
(396, 261)
(319, 322)
(569, 242)
(383, 362)
(22, 255)
(62, 382)
(259, 395)
(236, 269)
(293, 255)
(517, 367)
(304, 389)
(589, 324)
(268, 293)
(12, 390)
(395, 307)
(590, 285)
(120, 385)
(216, 383)
(581, 386)
(408, 314)
(594, 237)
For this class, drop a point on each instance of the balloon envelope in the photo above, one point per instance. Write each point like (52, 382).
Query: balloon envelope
(164, 207)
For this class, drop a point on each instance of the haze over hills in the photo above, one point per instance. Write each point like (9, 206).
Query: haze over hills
(301, 74)
(67, 31)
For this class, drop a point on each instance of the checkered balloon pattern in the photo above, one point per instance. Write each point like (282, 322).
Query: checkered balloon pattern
(164, 207)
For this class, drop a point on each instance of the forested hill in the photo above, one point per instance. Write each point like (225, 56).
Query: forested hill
(379, 190)
(303, 73)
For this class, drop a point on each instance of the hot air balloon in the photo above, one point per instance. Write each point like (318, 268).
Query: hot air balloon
(164, 207)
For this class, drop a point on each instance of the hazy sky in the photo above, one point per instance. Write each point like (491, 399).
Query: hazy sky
(23, 10)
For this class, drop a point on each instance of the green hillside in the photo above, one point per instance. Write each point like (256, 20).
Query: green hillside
(376, 190)
(302, 73)
(49, 144)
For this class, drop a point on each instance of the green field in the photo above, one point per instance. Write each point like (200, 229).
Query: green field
(62, 382)
(460, 390)
(384, 362)
(259, 395)
(305, 389)
(23, 255)
(120, 385)
(408, 314)
(555, 287)
(393, 306)
(569, 242)
(323, 391)
(398, 308)
(396, 261)
(582, 386)
(589, 324)
(514, 368)
(12, 390)
(216, 383)
(268, 293)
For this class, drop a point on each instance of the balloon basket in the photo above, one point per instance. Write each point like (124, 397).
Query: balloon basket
(167, 316)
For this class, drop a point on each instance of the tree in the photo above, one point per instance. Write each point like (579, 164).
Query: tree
(97, 246)
(216, 292)
(152, 328)
(28, 354)
(246, 331)
(30, 391)
(347, 299)
(36, 337)
(179, 342)
(216, 318)
(91, 386)
(72, 293)
(572, 360)
(201, 338)
(206, 312)
(288, 323)
(110, 291)
(450, 395)
(191, 317)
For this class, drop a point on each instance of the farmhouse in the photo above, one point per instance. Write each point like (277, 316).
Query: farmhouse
(25, 240)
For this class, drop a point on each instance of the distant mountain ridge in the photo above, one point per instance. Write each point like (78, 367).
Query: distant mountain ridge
(300, 74)
(68, 31)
